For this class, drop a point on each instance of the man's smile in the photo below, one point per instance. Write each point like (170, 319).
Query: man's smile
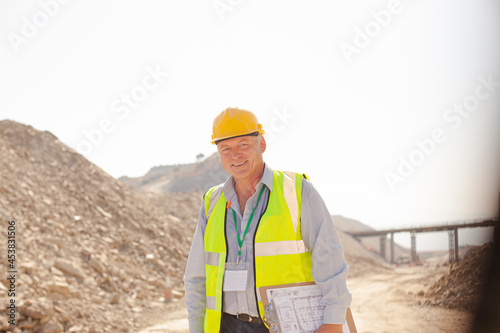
(239, 164)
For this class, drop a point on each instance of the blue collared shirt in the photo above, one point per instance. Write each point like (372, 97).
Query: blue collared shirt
(329, 269)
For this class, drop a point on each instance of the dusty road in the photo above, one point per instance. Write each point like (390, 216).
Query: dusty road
(385, 302)
(389, 303)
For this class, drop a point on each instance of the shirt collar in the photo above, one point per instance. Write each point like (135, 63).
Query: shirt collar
(267, 177)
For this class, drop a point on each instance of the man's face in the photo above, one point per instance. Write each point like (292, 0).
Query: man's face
(242, 157)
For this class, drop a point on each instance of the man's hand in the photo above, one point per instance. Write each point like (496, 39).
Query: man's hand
(329, 328)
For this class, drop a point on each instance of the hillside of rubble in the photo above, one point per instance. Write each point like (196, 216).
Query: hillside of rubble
(179, 178)
(460, 288)
(91, 253)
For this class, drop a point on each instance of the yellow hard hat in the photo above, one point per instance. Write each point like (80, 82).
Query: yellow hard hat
(234, 122)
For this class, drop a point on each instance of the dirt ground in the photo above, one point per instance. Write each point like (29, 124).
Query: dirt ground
(387, 302)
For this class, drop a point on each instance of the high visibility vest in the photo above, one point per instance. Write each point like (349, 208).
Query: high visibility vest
(280, 255)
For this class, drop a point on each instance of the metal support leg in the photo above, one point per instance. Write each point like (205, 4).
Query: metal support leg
(457, 257)
(413, 248)
(451, 246)
(382, 247)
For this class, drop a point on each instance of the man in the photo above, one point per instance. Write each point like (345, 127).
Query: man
(260, 228)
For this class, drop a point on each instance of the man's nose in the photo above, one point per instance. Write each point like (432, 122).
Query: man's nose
(236, 153)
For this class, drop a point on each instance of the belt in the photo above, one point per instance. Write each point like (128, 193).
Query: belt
(246, 318)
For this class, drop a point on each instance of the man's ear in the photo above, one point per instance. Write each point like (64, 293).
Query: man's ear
(263, 144)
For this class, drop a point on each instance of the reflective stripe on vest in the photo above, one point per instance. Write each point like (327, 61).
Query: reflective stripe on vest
(215, 259)
(280, 255)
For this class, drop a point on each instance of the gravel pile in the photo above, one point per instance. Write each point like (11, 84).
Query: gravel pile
(90, 254)
(462, 286)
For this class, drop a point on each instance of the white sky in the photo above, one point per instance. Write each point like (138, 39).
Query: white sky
(65, 67)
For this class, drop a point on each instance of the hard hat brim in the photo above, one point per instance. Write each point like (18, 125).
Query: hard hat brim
(215, 141)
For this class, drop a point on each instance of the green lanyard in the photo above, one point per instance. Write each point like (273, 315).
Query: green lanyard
(240, 241)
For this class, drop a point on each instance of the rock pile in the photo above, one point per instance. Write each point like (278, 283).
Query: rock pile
(462, 286)
(200, 176)
(91, 254)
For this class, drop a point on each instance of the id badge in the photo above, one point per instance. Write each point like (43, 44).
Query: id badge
(235, 277)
